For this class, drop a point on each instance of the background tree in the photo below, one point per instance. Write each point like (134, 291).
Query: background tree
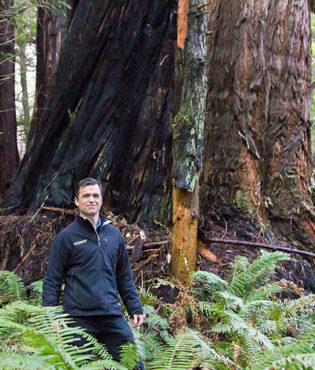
(49, 33)
(9, 158)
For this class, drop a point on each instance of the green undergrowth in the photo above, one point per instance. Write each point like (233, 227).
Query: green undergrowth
(236, 323)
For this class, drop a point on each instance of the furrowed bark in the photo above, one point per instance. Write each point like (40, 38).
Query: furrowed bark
(48, 43)
(257, 126)
(109, 113)
(9, 157)
(188, 136)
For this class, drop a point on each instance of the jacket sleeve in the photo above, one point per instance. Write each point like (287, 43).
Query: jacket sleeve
(57, 266)
(125, 282)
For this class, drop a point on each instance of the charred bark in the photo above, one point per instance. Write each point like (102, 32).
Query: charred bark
(9, 157)
(109, 113)
(257, 127)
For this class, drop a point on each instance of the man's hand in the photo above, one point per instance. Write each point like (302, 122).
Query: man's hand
(137, 320)
(56, 325)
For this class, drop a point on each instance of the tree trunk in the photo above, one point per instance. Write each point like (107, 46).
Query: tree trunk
(48, 43)
(188, 134)
(25, 102)
(257, 127)
(9, 157)
(109, 114)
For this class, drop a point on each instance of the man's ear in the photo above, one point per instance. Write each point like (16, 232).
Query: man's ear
(76, 202)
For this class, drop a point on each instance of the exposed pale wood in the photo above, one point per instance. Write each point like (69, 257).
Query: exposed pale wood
(188, 139)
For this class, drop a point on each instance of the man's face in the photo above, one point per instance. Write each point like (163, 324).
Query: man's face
(89, 200)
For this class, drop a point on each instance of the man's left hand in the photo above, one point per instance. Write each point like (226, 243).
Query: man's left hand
(137, 320)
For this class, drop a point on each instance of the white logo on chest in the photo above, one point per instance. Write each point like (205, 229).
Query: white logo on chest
(80, 242)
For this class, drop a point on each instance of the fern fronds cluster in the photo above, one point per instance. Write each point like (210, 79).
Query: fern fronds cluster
(11, 288)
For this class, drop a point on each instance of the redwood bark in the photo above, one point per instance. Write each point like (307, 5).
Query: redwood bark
(258, 129)
(48, 43)
(9, 157)
(109, 113)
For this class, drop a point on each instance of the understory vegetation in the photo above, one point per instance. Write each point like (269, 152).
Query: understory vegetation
(242, 322)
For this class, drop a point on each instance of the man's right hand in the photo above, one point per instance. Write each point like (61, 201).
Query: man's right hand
(56, 325)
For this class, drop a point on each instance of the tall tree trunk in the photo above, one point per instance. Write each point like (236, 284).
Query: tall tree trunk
(257, 127)
(48, 44)
(108, 115)
(188, 134)
(24, 86)
(8, 142)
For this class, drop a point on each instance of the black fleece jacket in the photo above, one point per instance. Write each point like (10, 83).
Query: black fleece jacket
(95, 267)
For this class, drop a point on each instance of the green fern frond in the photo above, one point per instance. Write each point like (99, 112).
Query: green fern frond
(36, 293)
(264, 292)
(229, 300)
(147, 344)
(258, 273)
(253, 348)
(204, 283)
(103, 364)
(161, 325)
(147, 298)
(11, 287)
(177, 354)
(282, 357)
(238, 266)
(253, 309)
(15, 361)
(129, 356)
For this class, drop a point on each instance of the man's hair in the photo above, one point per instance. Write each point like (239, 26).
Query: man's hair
(86, 182)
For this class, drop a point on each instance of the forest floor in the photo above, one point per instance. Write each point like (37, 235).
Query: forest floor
(25, 242)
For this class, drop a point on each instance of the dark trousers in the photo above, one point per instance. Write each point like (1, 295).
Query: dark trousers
(113, 331)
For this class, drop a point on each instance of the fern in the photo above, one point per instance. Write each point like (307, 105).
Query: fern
(53, 343)
(289, 356)
(11, 287)
(160, 325)
(129, 356)
(177, 354)
(258, 273)
(239, 265)
(205, 284)
(36, 293)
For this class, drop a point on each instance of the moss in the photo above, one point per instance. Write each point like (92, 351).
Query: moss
(242, 201)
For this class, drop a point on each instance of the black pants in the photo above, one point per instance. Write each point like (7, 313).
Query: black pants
(113, 331)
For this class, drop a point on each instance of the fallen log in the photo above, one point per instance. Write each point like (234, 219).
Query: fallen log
(259, 245)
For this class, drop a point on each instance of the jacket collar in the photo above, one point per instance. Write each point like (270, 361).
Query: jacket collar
(86, 221)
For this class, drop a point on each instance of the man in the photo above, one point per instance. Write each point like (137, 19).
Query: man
(90, 257)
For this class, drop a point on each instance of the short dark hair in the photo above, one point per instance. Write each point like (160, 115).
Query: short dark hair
(85, 182)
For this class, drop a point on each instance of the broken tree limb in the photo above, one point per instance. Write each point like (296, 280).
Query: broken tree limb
(61, 210)
(150, 244)
(261, 245)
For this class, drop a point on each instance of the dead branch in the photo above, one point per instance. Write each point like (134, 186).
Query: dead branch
(259, 245)
(61, 210)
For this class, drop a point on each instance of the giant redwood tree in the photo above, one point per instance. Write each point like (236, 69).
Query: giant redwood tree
(258, 131)
(111, 109)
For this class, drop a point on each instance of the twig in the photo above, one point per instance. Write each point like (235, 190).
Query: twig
(152, 244)
(261, 245)
(36, 213)
(62, 210)
(24, 258)
(148, 245)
